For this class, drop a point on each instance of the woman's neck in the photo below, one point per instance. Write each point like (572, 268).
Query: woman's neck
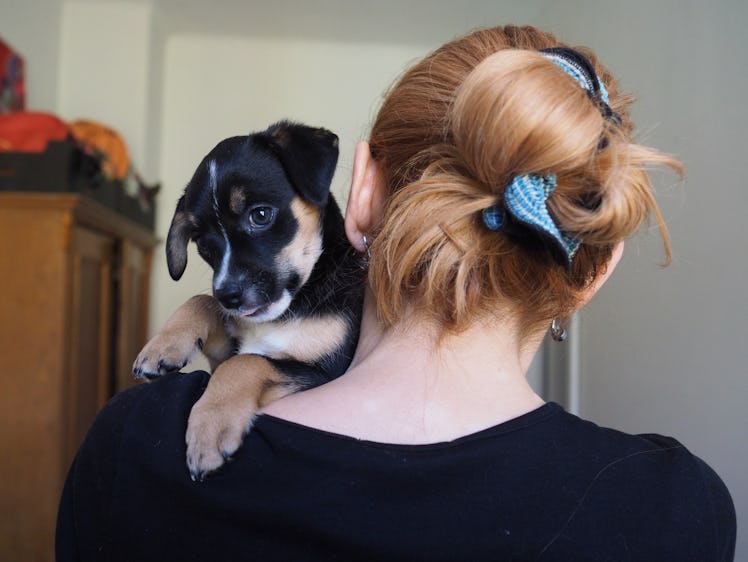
(407, 385)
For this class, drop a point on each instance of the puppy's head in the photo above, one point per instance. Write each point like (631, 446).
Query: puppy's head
(254, 207)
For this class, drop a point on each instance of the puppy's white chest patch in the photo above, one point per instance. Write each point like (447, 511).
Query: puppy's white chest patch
(299, 339)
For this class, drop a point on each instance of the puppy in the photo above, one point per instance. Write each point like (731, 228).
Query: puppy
(287, 286)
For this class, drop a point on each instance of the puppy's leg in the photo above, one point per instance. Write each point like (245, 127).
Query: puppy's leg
(197, 325)
(223, 415)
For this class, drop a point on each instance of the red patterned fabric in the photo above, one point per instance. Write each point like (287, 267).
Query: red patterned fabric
(12, 89)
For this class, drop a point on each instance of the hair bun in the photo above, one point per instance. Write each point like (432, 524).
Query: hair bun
(517, 113)
(452, 134)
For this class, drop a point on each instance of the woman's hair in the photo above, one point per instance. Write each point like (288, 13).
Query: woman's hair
(452, 133)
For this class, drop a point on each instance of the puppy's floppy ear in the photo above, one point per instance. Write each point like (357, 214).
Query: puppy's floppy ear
(177, 240)
(308, 155)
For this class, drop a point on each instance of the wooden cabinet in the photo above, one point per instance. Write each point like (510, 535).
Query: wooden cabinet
(74, 284)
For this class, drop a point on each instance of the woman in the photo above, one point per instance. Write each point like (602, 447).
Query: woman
(491, 201)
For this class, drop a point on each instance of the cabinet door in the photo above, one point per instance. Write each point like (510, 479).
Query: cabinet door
(91, 373)
(63, 260)
(132, 309)
(34, 289)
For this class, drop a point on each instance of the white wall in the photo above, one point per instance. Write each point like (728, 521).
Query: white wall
(664, 350)
(104, 58)
(33, 29)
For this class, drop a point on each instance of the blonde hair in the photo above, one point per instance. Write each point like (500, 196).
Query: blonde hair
(452, 133)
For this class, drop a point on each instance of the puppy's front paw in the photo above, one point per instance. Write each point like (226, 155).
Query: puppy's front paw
(214, 433)
(165, 353)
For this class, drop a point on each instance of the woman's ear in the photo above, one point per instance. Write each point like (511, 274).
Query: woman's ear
(603, 276)
(365, 199)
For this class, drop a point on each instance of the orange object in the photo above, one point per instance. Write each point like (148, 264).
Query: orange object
(107, 143)
(30, 132)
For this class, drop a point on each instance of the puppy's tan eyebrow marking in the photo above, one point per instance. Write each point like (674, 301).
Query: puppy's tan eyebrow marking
(238, 200)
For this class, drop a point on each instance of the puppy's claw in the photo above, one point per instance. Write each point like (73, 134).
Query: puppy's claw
(165, 368)
(165, 353)
(197, 476)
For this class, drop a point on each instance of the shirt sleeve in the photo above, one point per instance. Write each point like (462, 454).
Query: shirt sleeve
(661, 503)
(722, 510)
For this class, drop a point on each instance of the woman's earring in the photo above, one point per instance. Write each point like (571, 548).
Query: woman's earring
(558, 332)
(365, 240)
(366, 255)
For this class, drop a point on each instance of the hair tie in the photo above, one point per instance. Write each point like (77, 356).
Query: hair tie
(576, 65)
(526, 197)
(525, 204)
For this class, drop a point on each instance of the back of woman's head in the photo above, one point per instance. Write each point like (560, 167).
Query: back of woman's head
(453, 133)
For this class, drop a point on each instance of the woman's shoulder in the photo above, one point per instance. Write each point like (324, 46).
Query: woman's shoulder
(167, 398)
(649, 488)
(147, 420)
(134, 436)
(648, 460)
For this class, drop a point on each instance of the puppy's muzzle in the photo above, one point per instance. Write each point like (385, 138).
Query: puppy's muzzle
(230, 295)
(244, 301)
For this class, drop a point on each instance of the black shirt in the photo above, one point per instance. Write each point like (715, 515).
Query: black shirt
(544, 486)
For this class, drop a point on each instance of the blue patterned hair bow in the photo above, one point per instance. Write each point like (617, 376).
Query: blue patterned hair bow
(525, 203)
(525, 198)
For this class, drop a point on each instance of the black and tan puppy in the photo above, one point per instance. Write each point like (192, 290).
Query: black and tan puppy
(286, 298)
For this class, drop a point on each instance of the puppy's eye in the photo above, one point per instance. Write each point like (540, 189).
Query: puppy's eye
(261, 217)
(202, 245)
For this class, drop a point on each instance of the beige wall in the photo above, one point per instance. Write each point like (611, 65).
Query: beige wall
(104, 56)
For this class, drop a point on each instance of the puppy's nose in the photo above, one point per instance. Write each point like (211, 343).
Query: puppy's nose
(229, 295)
